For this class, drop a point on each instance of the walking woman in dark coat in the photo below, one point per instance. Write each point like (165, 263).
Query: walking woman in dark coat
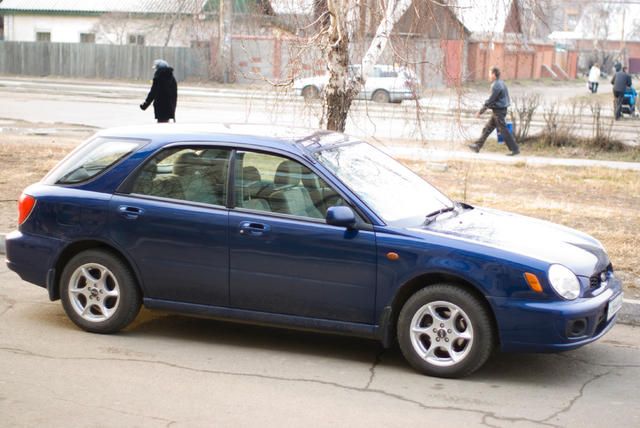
(163, 93)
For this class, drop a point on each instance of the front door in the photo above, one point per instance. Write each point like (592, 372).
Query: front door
(284, 258)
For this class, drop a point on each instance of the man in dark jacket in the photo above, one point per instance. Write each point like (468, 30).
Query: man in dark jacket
(498, 103)
(163, 93)
(620, 82)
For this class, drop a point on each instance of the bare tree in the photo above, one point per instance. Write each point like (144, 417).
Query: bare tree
(114, 27)
(597, 20)
(343, 87)
(169, 20)
(224, 40)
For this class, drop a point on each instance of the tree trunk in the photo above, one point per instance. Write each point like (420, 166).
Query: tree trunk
(339, 92)
(342, 88)
(224, 48)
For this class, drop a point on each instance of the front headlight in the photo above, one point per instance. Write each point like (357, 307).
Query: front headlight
(564, 282)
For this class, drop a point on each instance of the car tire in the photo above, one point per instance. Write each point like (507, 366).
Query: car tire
(381, 96)
(445, 331)
(310, 93)
(99, 292)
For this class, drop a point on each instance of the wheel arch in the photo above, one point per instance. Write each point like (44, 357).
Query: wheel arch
(405, 291)
(77, 247)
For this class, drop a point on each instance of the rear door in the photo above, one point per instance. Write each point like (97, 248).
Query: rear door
(173, 225)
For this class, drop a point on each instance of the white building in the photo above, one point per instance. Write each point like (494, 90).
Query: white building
(143, 22)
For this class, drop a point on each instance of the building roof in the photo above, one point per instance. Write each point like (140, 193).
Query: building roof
(101, 6)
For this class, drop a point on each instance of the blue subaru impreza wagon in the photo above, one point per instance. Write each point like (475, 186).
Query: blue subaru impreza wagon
(308, 230)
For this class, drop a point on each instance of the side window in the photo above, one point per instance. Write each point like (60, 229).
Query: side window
(280, 185)
(191, 174)
(91, 159)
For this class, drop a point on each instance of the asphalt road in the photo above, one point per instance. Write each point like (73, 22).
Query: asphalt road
(106, 106)
(442, 117)
(169, 370)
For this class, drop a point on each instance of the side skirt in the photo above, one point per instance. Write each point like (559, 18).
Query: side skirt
(366, 331)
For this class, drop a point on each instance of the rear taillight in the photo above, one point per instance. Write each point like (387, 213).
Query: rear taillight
(25, 206)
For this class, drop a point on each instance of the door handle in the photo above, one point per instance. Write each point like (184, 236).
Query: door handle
(251, 228)
(129, 212)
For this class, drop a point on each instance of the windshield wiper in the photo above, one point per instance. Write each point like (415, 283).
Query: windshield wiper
(432, 216)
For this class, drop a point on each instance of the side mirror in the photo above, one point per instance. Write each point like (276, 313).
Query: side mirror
(341, 216)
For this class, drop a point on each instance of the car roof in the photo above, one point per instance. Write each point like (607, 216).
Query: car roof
(304, 139)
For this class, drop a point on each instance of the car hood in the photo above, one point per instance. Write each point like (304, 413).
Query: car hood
(542, 240)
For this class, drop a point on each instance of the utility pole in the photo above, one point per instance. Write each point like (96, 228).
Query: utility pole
(622, 44)
(224, 40)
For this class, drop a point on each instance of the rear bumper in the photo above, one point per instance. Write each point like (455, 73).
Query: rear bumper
(31, 257)
(527, 326)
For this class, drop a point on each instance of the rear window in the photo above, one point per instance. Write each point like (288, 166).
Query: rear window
(90, 159)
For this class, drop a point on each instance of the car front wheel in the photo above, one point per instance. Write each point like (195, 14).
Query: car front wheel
(99, 293)
(445, 331)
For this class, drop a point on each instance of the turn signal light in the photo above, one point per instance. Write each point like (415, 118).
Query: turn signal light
(25, 206)
(533, 282)
(393, 256)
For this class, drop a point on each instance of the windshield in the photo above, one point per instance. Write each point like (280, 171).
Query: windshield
(390, 189)
(90, 159)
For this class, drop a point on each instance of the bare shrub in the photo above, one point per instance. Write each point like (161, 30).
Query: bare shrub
(524, 107)
(601, 136)
(556, 132)
(559, 128)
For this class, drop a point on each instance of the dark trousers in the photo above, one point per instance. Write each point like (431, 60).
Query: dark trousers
(594, 87)
(618, 97)
(497, 120)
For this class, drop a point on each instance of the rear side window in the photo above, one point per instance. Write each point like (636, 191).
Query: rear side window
(90, 159)
(193, 174)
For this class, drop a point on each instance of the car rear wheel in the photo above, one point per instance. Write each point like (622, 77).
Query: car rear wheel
(381, 96)
(99, 293)
(445, 331)
(310, 93)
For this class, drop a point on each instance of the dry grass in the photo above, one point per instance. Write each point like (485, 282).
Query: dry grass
(25, 159)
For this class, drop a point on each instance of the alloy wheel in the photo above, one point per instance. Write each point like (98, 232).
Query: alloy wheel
(441, 333)
(94, 292)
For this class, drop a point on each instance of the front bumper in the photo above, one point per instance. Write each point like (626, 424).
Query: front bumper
(529, 326)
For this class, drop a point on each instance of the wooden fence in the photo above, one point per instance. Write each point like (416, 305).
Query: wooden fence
(84, 60)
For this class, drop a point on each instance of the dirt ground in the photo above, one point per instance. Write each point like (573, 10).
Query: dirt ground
(602, 202)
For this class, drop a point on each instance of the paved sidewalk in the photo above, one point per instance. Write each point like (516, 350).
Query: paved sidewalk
(437, 155)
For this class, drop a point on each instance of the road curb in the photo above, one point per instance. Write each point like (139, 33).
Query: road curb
(629, 313)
